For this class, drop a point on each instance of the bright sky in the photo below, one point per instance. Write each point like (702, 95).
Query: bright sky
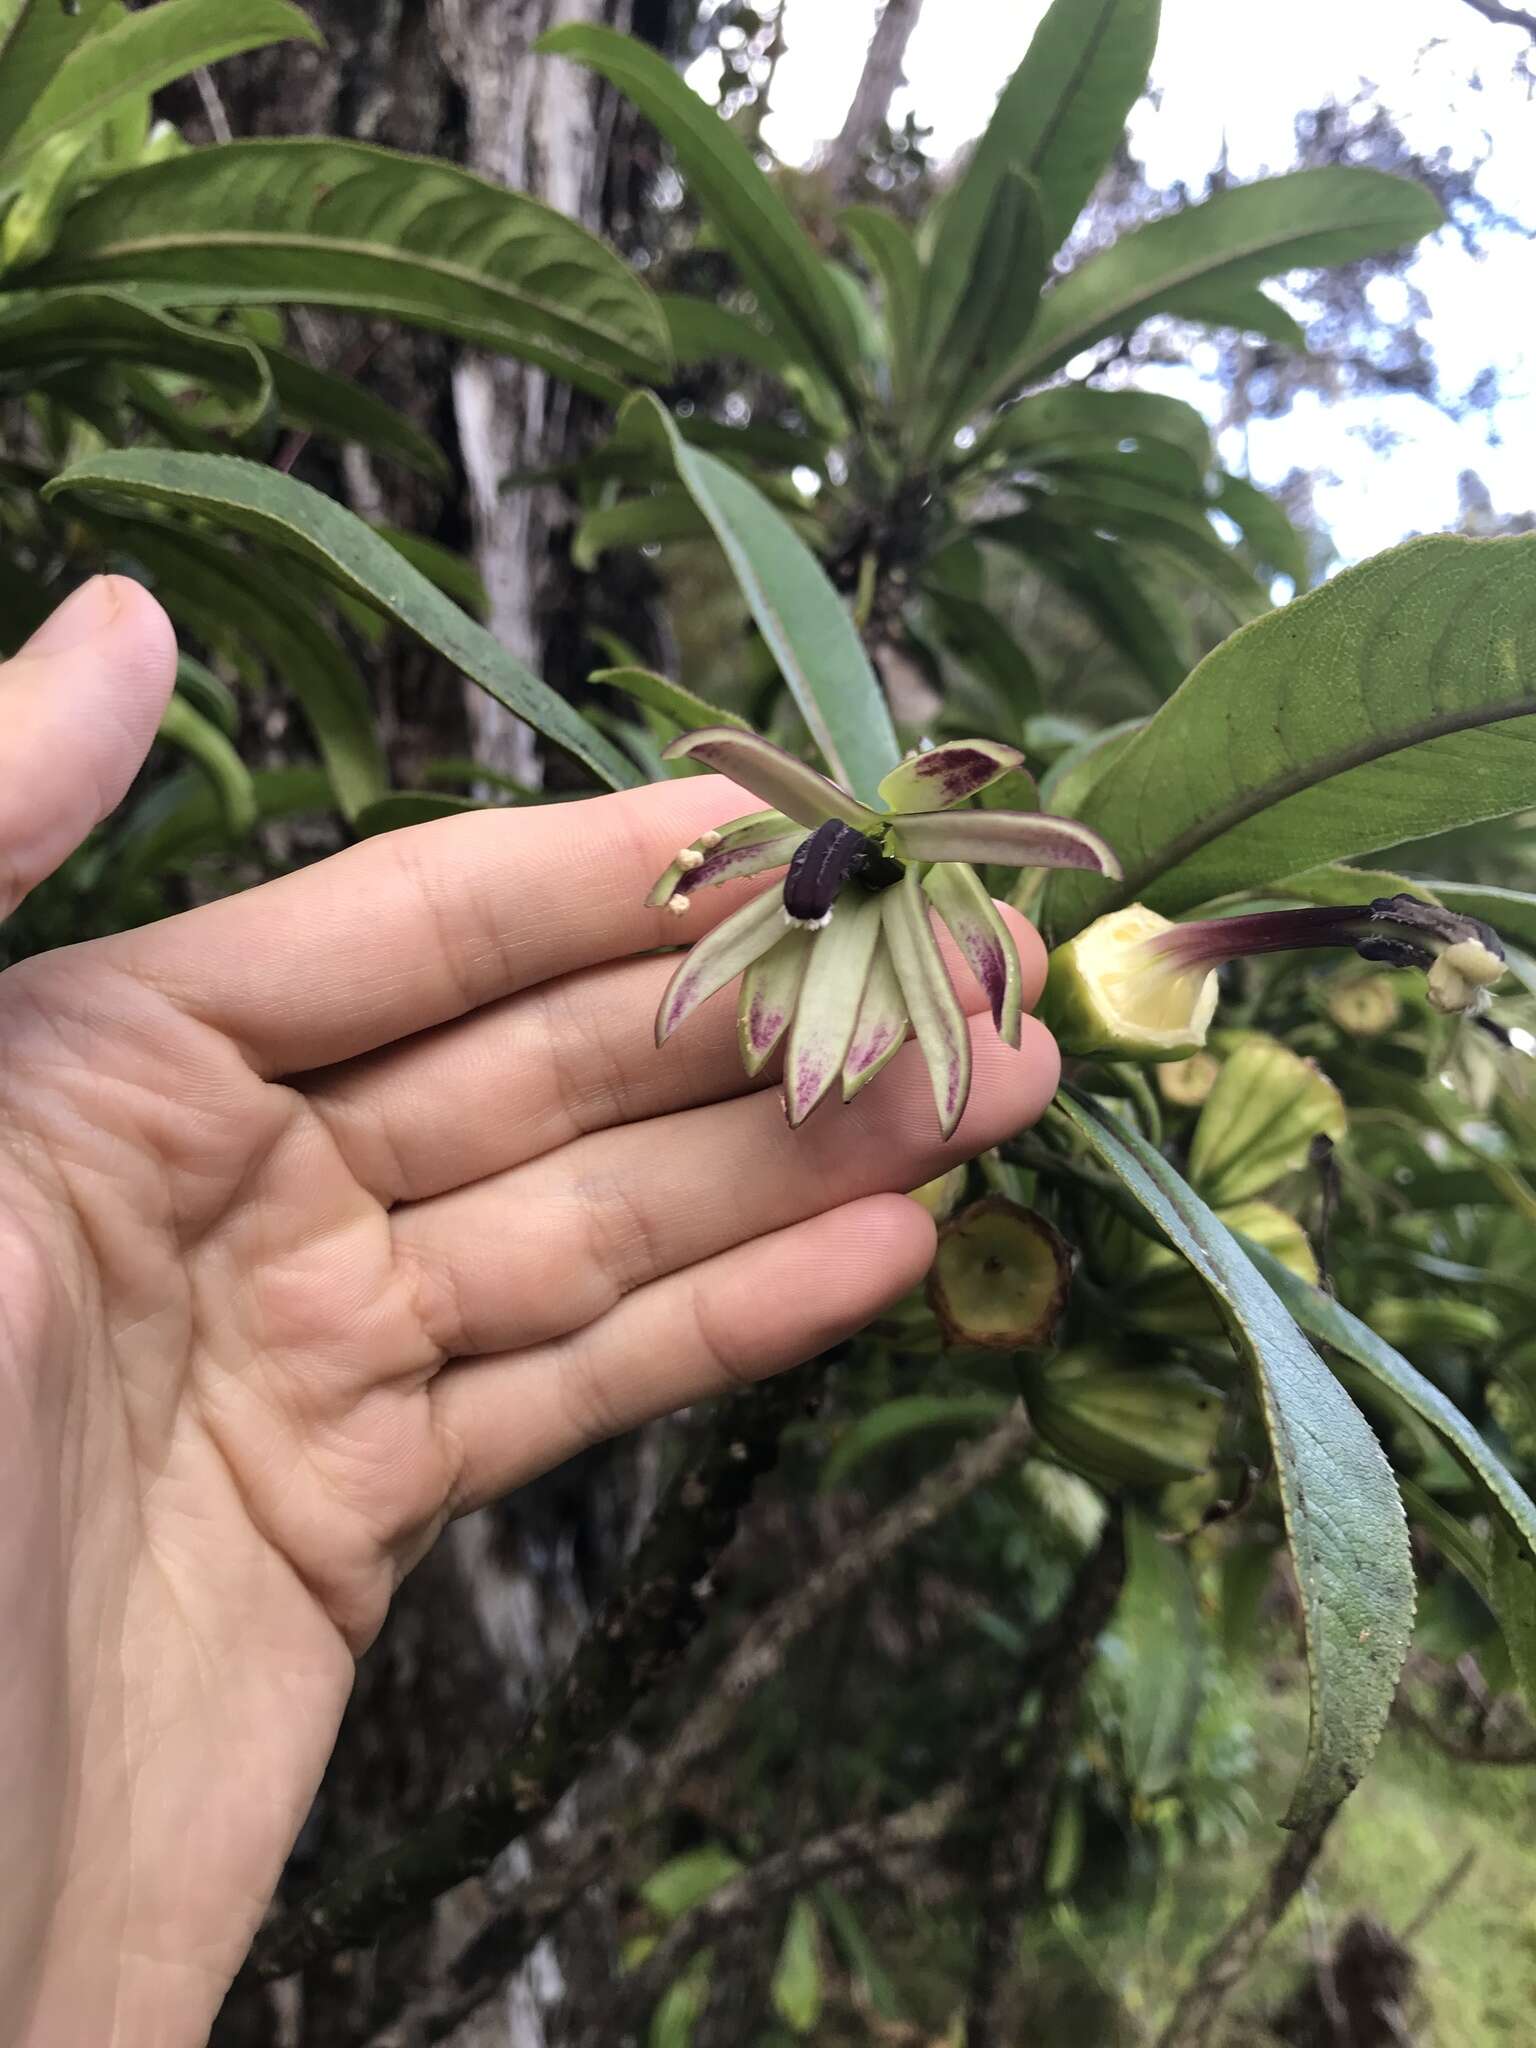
(1215, 78)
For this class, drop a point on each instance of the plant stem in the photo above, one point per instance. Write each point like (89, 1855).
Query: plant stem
(579, 1862)
(1233, 1953)
(1019, 1847)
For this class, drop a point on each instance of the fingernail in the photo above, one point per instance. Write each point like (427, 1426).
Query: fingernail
(83, 614)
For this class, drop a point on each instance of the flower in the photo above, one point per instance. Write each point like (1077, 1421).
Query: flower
(1135, 986)
(843, 957)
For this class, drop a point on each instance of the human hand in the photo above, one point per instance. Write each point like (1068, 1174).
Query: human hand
(327, 1212)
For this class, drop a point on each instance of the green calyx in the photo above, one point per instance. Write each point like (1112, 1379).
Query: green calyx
(1105, 997)
(1123, 1425)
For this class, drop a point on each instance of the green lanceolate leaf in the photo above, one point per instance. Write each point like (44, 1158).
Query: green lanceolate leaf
(667, 514)
(342, 224)
(1133, 513)
(1399, 701)
(699, 330)
(1078, 417)
(976, 637)
(796, 1988)
(340, 410)
(61, 329)
(35, 38)
(1511, 913)
(1306, 219)
(1264, 526)
(138, 54)
(1095, 572)
(1062, 112)
(896, 1421)
(1242, 307)
(1404, 1385)
(887, 247)
(658, 694)
(215, 754)
(1157, 1628)
(454, 574)
(1512, 1591)
(216, 593)
(990, 316)
(353, 559)
(208, 694)
(800, 616)
(1056, 122)
(792, 283)
(1343, 1517)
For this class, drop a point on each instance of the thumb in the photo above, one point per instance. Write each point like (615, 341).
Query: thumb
(79, 707)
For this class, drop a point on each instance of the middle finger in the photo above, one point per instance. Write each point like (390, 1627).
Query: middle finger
(530, 1255)
(520, 1078)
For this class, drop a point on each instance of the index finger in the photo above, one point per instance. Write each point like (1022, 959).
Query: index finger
(425, 924)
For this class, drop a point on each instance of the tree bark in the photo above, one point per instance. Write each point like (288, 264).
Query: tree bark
(872, 96)
(542, 126)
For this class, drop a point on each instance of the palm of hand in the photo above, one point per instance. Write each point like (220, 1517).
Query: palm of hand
(325, 1213)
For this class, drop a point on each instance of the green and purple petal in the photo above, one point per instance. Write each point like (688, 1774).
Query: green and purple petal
(684, 874)
(1017, 839)
(719, 957)
(950, 774)
(881, 1030)
(769, 990)
(979, 930)
(778, 778)
(828, 1008)
(931, 1002)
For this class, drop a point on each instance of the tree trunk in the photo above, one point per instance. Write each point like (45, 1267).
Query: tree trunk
(872, 97)
(541, 125)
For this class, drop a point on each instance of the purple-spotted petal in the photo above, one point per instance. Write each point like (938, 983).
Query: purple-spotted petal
(769, 989)
(931, 1002)
(1017, 839)
(948, 775)
(978, 929)
(719, 957)
(684, 874)
(881, 1030)
(778, 778)
(828, 1008)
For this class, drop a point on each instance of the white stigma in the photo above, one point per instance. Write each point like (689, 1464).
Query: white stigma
(678, 905)
(689, 859)
(710, 840)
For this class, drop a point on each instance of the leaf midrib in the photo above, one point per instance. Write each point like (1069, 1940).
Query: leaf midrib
(1176, 851)
(1074, 81)
(380, 252)
(1189, 273)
